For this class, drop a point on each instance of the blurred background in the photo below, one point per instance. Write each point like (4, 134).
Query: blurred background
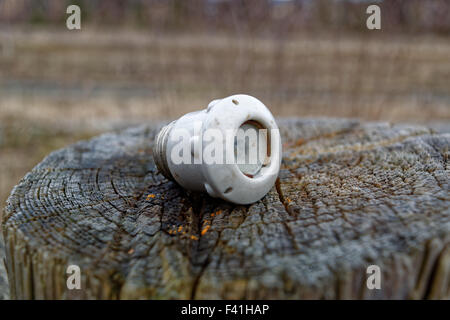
(139, 61)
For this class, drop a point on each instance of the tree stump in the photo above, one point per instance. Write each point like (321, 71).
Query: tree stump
(349, 195)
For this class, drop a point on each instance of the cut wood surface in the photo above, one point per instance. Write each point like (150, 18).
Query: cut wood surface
(349, 195)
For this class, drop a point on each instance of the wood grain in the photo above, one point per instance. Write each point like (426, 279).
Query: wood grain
(349, 195)
(4, 287)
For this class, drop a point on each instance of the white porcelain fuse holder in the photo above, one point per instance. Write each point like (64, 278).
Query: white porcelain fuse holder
(213, 150)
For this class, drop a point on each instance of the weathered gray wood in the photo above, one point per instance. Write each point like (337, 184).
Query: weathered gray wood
(349, 195)
(4, 287)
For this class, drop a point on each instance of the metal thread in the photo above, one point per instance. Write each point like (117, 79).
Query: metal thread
(160, 148)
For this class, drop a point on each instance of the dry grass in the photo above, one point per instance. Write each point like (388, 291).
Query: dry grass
(57, 87)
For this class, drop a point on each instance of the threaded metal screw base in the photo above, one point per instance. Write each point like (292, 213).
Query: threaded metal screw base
(160, 148)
